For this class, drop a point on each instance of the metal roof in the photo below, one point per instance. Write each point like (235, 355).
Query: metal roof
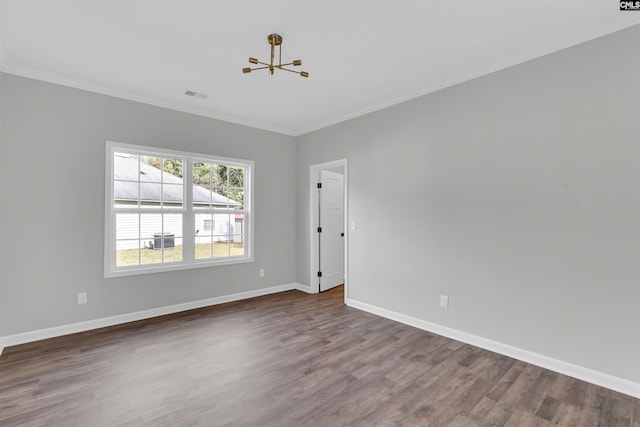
(153, 182)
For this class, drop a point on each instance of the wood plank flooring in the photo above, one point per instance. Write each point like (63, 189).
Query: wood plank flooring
(288, 359)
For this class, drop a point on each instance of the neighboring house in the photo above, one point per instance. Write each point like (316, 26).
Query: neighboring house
(154, 187)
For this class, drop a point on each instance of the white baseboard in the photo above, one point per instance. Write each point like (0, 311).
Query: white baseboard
(599, 378)
(595, 377)
(303, 288)
(57, 331)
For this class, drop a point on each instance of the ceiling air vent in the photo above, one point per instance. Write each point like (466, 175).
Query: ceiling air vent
(195, 94)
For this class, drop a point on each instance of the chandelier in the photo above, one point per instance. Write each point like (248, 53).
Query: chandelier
(275, 40)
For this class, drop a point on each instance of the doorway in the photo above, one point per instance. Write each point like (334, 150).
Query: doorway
(329, 237)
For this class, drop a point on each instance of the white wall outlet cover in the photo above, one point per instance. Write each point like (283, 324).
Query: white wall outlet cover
(82, 298)
(353, 225)
(262, 272)
(444, 301)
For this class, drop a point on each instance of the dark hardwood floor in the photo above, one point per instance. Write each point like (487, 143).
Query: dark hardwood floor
(289, 359)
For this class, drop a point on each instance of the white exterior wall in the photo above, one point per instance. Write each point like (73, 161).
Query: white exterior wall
(224, 225)
(149, 225)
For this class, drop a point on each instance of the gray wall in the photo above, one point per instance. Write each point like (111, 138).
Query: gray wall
(523, 191)
(2, 209)
(52, 167)
(522, 187)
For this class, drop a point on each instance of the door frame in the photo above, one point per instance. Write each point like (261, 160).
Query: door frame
(314, 172)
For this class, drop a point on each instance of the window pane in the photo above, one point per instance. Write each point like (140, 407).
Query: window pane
(202, 174)
(150, 169)
(127, 226)
(125, 167)
(175, 254)
(173, 224)
(236, 177)
(161, 237)
(150, 226)
(219, 198)
(125, 194)
(127, 252)
(237, 245)
(172, 196)
(151, 256)
(223, 225)
(204, 224)
(204, 247)
(221, 246)
(172, 237)
(201, 197)
(150, 195)
(239, 224)
(172, 247)
(219, 175)
(236, 198)
(172, 172)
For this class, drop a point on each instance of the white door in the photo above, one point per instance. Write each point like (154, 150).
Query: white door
(331, 229)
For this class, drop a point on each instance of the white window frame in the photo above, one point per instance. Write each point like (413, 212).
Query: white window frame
(188, 223)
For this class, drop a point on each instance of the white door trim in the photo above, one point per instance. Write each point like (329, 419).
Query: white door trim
(314, 171)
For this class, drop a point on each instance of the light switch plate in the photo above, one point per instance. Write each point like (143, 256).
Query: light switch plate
(444, 301)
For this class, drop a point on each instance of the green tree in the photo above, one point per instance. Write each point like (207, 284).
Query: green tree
(225, 180)
(172, 166)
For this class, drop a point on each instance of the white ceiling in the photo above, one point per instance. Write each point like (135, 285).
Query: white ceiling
(361, 55)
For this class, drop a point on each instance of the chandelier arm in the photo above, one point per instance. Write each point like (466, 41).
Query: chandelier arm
(291, 71)
(260, 68)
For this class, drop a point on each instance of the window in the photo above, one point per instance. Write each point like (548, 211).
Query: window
(171, 210)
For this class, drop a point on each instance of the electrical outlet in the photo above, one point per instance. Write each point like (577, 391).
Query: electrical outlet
(353, 225)
(444, 301)
(82, 297)
(262, 272)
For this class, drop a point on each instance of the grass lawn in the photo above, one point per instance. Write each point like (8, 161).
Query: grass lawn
(153, 256)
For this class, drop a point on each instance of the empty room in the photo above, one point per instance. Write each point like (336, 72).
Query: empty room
(319, 213)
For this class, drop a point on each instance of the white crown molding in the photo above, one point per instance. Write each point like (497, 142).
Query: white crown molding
(595, 377)
(88, 325)
(46, 76)
(537, 51)
(541, 49)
